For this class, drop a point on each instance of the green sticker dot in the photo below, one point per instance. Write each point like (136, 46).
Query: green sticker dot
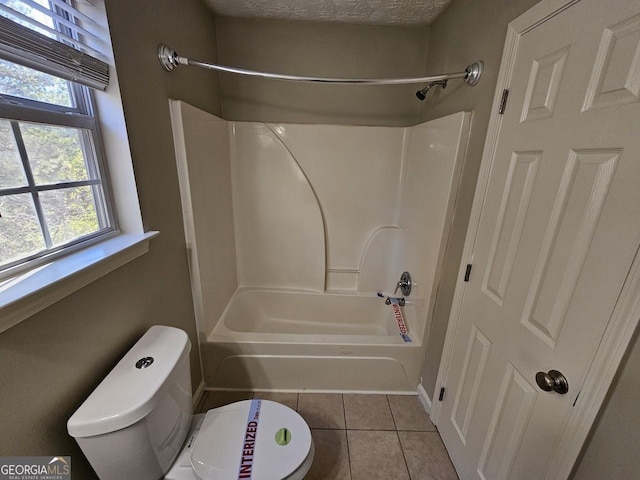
(283, 436)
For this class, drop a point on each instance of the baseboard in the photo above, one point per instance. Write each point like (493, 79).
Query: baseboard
(198, 395)
(424, 399)
(312, 390)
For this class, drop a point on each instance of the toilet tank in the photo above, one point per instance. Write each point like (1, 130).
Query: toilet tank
(134, 423)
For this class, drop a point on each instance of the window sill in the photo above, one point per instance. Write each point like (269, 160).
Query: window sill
(30, 292)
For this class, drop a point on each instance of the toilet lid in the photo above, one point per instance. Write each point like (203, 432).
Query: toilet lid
(228, 441)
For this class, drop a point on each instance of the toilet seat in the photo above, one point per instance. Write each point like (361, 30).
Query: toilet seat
(219, 446)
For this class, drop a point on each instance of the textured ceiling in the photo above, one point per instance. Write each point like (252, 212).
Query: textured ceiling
(374, 12)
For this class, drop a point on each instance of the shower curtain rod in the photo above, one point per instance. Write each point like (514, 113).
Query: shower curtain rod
(169, 60)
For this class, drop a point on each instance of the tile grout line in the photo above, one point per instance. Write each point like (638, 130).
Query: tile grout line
(404, 457)
(344, 412)
(395, 425)
(346, 434)
(361, 429)
(375, 430)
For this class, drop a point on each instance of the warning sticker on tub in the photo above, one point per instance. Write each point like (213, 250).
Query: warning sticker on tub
(245, 470)
(397, 313)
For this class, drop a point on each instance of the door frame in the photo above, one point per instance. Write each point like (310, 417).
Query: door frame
(626, 314)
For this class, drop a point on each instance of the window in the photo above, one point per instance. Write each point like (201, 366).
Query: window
(50, 51)
(53, 187)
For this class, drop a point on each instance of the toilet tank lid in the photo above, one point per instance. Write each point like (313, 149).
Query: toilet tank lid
(130, 392)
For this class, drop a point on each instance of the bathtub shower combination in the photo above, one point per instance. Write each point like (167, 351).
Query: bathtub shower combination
(294, 231)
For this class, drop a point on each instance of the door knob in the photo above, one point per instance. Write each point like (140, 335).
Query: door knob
(553, 380)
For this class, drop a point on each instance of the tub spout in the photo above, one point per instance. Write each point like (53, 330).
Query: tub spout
(401, 301)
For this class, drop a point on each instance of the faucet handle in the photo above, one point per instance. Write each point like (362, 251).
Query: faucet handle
(404, 284)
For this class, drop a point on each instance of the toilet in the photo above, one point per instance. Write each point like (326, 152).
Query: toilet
(138, 424)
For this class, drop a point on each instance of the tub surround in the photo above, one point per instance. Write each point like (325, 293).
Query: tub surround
(279, 225)
(340, 211)
(208, 219)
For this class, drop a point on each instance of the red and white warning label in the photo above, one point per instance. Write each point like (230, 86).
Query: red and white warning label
(397, 313)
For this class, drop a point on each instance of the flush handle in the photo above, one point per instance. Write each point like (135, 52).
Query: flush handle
(144, 363)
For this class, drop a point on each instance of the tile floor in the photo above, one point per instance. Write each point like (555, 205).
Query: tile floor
(362, 437)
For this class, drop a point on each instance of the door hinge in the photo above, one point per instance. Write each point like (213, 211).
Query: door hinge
(467, 273)
(441, 397)
(503, 101)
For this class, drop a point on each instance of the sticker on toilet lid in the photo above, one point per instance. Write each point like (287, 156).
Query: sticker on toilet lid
(245, 470)
(397, 313)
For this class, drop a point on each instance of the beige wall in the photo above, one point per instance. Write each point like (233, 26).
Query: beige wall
(611, 451)
(51, 362)
(336, 50)
(467, 31)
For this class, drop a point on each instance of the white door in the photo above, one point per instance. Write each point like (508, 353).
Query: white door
(557, 234)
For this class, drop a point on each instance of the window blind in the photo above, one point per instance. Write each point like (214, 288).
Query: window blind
(54, 37)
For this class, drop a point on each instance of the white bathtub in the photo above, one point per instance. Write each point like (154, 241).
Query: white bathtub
(303, 313)
(300, 341)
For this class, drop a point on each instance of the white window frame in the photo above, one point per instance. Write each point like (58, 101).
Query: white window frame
(30, 292)
(17, 110)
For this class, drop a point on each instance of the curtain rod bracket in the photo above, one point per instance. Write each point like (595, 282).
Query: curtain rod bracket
(168, 57)
(474, 72)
